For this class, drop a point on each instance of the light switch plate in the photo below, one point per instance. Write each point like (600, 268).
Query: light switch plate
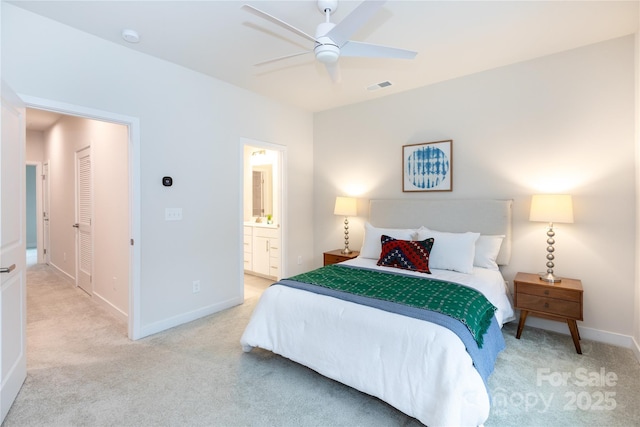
(173, 214)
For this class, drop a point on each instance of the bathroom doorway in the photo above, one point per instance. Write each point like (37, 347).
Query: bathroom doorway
(263, 214)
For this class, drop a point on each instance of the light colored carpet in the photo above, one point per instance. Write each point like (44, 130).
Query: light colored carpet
(83, 371)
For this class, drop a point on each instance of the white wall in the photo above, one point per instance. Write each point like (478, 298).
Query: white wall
(562, 123)
(636, 333)
(35, 146)
(190, 128)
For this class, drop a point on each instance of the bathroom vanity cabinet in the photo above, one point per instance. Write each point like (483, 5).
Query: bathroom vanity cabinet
(262, 250)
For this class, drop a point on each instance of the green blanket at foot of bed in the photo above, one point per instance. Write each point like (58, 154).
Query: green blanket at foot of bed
(465, 304)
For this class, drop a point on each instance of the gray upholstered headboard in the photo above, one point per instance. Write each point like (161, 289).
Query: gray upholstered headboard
(477, 215)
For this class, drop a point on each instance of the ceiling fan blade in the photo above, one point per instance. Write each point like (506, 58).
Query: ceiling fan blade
(368, 50)
(268, 61)
(277, 21)
(341, 33)
(334, 71)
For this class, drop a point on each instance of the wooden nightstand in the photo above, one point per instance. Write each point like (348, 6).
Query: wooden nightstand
(556, 301)
(334, 257)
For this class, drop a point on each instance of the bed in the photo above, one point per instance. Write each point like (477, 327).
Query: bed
(423, 366)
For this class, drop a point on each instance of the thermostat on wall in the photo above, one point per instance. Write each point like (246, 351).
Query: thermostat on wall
(167, 181)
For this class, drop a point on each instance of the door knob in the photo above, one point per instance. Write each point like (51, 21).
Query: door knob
(76, 225)
(8, 269)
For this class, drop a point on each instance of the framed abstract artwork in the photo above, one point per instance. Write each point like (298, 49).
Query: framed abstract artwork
(427, 166)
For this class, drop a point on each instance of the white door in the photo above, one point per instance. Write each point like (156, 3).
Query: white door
(13, 301)
(84, 213)
(45, 213)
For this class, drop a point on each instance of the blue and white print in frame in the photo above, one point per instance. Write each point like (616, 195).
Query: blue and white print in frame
(427, 166)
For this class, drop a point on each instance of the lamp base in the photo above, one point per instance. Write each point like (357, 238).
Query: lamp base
(550, 277)
(346, 251)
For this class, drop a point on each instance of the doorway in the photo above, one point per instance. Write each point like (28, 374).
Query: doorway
(32, 209)
(121, 289)
(88, 219)
(36, 220)
(263, 215)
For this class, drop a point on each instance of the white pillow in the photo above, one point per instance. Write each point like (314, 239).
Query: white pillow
(487, 249)
(371, 246)
(451, 251)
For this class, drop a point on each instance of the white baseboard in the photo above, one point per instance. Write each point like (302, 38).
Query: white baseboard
(606, 337)
(172, 322)
(73, 279)
(636, 349)
(121, 315)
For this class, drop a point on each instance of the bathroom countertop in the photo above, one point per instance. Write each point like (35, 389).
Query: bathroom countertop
(260, 224)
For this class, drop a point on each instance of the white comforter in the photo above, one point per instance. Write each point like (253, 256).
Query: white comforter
(418, 367)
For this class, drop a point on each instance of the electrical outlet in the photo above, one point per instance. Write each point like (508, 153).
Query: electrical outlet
(173, 214)
(299, 259)
(196, 286)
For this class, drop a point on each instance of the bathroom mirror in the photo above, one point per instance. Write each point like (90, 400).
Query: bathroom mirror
(262, 190)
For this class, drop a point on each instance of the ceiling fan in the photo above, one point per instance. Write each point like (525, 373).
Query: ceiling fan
(331, 40)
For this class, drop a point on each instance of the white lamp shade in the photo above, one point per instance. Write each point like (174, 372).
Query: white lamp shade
(551, 208)
(345, 206)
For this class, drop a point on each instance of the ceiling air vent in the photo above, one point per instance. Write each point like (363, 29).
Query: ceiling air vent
(379, 85)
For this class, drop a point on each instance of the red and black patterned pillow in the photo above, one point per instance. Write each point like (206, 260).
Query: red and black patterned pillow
(406, 254)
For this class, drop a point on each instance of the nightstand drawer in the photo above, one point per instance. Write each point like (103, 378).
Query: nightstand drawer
(333, 259)
(549, 291)
(562, 308)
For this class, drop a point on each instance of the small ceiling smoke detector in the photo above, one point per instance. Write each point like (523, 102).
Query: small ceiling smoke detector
(130, 36)
(379, 85)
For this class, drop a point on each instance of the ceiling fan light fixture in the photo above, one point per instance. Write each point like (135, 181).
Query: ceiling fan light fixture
(380, 85)
(327, 53)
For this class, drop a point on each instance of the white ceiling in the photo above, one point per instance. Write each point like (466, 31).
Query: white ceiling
(452, 38)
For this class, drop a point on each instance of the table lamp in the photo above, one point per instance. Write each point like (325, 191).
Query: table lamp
(346, 206)
(551, 208)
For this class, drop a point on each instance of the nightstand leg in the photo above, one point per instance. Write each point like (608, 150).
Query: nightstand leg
(523, 318)
(573, 327)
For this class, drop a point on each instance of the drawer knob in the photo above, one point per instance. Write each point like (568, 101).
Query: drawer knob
(546, 305)
(546, 292)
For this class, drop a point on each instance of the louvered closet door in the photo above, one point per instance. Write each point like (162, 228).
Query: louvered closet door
(84, 213)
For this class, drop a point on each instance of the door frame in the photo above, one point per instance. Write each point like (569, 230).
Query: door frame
(280, 186)
(133, 124)
(46, 193)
